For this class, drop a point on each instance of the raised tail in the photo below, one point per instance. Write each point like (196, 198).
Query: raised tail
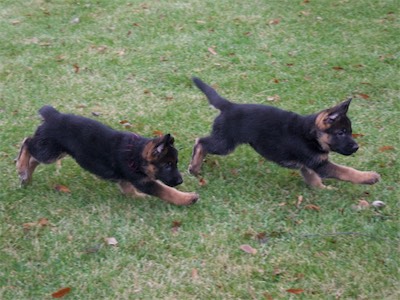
(48, 112)
(213, 98)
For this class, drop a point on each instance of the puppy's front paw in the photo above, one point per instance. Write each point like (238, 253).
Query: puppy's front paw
(192, 198)
(194, 170)
(371, 178)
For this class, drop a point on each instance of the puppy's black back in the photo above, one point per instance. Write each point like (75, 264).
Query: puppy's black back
(61, 134)
(266, 128)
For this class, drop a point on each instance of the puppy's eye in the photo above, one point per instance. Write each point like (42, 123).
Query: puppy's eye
(341, 132)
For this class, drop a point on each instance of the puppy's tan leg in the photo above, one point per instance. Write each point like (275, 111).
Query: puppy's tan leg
(197, 158)
(174, 196)
(25, 163)
(312, 178)
(127, 188)
(344, 173)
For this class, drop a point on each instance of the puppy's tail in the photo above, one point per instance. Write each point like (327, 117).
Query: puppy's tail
(48, 112)
(213, 98)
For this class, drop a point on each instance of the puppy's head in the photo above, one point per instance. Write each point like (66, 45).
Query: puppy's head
(162, 160)
(334, 130)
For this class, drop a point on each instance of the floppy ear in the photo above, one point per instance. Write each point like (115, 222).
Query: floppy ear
(339, 110)
(162, 143)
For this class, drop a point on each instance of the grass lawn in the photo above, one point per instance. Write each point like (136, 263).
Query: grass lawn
(133, 60)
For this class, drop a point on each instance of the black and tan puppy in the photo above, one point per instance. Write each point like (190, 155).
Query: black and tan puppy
(286, 138)
(139, 165)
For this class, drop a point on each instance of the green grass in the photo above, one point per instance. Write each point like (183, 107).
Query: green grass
(132, 60)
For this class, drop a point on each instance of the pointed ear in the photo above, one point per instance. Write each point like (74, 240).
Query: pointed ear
(339, 110)
(162, 143)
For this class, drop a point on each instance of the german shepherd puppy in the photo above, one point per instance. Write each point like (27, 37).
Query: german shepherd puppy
(139, 165)
(286, 138)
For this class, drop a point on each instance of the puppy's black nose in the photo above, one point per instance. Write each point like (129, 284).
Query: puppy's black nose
(354, 147)
(179, 181)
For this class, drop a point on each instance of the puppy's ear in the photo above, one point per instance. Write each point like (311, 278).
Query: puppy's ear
(327, 117)
(162, 143)
(337, 111)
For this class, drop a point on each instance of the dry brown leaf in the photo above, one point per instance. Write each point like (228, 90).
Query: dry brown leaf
(28, 226)
(357, 135)
(212, 51)
(76, 68)
(295, 291)
(262, 237)
(202, 181)
(274, 21)
(175, 226)
(43, 222)
(363, 96)
(299, 201)
(386, 148)
(157, 133)
(273, 98)
(337, 68)
(61, 293)
(248, 249)
(195, 273)
(62, 188)
(362, 203)
(312, 207)
(111, 241)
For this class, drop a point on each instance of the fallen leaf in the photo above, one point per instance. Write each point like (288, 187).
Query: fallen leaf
(28, 226)
(212, 51)
(60, 57)
(95, 113)
(357, 135)
(176, 223)
(299, 201)
(235, 172)
(15, 22)
(202, 181)
(312, 207)
(195, 273)
(362, 203)
(157, 133)
(338, 68)
(111, 241)
(267, 296)
(295, 291)
(273, 98)
(262, 237)
(248, 249)
(386, 148)
(305, 13)
(92, 249)
(76, 68)
(62, 188)
(274, 21)
(43, 222)
(363, 96)
(61, 293)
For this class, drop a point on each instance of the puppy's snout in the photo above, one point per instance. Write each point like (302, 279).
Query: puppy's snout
(354, 147)
(179, 181)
